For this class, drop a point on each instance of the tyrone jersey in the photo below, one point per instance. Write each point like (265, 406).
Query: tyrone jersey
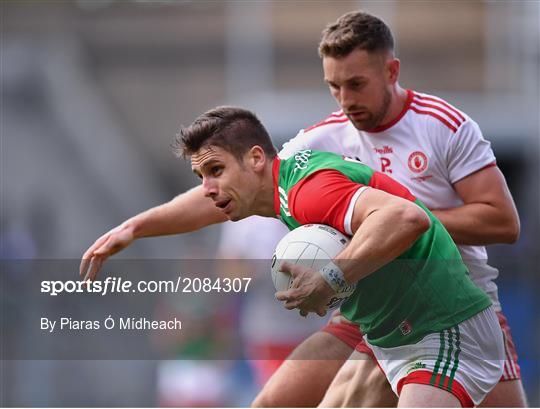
(425, 290)
(427, 148)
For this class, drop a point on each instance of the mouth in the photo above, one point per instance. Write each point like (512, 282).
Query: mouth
(222, 204)
(357, 114)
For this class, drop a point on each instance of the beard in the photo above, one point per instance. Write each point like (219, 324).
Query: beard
(374, 119)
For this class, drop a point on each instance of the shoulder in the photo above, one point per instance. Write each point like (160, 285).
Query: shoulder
(437, 114)
(332, 121)
(326, 135)
(306, 163)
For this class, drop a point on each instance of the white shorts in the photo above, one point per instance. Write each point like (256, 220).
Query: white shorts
(466, 360)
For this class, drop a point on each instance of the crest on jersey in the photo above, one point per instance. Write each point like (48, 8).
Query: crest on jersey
(417, 162)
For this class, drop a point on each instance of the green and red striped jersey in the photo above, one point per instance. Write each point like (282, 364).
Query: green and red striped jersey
(426, 289)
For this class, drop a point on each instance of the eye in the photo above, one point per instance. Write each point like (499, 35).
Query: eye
(333, 87)
(216, 170)
(356, 85)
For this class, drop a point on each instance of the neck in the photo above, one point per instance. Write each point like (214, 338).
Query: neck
(397, 103)
(264, 202)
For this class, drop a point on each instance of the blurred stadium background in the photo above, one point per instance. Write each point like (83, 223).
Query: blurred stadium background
(93, 91)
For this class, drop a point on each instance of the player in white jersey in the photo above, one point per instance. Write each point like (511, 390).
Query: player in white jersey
(430, 148)
(435, 150)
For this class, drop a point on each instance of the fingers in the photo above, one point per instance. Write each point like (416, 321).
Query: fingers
(83, 267)
(94, 267)
(106, 248)
(85, 261)
(288, 295)
(321, 312)
(290, 268)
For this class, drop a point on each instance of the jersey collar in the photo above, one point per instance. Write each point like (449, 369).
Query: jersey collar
(394, 121)
(275, 176)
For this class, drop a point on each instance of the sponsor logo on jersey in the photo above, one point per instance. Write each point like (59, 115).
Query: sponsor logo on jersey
(385, 165)
(405, 327)
(302, 158)
(416, 366)
(417, 162)
(422, 178)
(385, 150)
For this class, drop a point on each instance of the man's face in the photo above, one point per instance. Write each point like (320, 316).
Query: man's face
(232, 185)
(361, 83)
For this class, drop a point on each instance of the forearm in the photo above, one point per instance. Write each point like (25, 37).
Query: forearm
(382, 237)
(187, 212)
(479, 224)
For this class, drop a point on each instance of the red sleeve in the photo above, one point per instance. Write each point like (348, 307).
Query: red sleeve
(323, 197)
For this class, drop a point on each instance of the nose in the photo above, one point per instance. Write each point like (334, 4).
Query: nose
(210, 188)
(346, 99)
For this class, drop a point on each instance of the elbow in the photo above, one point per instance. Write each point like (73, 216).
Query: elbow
(511, 231)
(416, 219)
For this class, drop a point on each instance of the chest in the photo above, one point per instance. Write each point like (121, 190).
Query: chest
(416, 162)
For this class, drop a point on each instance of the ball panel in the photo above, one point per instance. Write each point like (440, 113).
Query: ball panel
(312, 245)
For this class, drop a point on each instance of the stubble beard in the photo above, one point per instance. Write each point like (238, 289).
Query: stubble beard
(375, 119)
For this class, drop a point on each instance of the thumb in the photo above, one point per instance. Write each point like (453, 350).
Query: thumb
(289, 268)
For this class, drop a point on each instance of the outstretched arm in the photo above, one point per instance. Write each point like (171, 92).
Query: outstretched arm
(187, 212)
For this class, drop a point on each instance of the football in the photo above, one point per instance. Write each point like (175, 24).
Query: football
(311, 245)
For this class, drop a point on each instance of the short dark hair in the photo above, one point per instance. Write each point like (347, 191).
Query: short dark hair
(233, 129)
(356, 29)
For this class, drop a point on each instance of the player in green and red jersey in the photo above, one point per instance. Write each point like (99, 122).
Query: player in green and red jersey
(322, 187)
(433, 332)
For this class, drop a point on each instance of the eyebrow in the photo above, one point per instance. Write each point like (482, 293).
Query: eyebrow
(205, 165)
(355, 78)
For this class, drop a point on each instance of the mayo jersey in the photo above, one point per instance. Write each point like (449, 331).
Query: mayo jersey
(427, 148)
(426, 289)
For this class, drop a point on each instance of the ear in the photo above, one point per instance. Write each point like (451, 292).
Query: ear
(256, 158)
(392, 70)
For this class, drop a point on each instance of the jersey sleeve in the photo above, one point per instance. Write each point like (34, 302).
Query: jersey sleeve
(326, 197)
(468, 152)
(298, 143)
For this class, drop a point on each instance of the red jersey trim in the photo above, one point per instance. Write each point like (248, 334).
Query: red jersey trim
(394, 121)
(434, 115)
(489, 165)
(332, 119)
(275, 177)
(440, 109)
(336, 114)
(424, 377)
(442, 102)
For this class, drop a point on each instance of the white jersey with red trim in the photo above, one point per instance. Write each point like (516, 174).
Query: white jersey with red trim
(430, 146)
